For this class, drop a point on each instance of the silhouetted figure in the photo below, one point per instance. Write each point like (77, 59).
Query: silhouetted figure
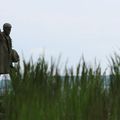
(7, 56)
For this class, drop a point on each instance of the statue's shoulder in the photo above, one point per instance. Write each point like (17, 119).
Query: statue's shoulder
(1, 35)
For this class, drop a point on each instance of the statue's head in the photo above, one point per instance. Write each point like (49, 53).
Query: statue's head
(7, 28)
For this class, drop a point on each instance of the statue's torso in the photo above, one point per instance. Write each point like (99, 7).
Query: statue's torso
(5, 48)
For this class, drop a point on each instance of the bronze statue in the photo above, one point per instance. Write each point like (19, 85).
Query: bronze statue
(7, 54)
(7, 57)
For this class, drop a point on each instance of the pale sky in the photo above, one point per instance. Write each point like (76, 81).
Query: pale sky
(70, 28)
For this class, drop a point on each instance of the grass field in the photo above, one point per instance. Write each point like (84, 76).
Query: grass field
(40, 92)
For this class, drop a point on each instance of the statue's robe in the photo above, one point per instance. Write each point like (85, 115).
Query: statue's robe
(5, 51)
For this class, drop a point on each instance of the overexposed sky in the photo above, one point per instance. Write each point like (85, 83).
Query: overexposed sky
(70, 28)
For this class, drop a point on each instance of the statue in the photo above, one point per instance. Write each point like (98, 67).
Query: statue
(7, 54)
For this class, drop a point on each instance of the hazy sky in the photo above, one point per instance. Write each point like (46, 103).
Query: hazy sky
(71, 28)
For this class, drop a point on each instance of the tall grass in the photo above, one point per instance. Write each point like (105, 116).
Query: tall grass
(40, 92)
